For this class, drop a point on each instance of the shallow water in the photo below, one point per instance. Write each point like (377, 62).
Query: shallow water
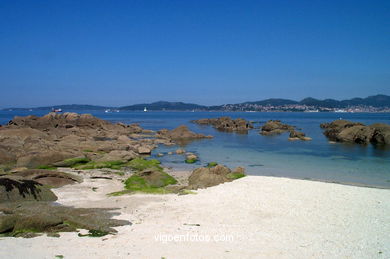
(265, 155)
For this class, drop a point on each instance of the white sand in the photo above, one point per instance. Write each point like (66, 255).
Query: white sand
(262, 217)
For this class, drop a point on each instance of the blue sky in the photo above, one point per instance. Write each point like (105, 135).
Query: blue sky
(207, 52)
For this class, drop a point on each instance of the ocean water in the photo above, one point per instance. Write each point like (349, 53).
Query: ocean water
(365, 165)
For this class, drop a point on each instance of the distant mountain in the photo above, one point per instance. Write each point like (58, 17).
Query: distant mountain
(328, 103)
(274, 102)
(378, 101)
(161, 105)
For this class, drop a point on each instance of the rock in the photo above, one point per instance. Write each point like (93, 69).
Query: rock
(181, 133)
(18, 169)
(24, 219)
(149, 178)
(191, 158)
(180, 151)
(24, 190)
(354, 132)
(119, 155)
(381, 134)
(170, 153)
(275, 127)
(334, 128)
(227, 124)
(206, 177)
(46, 177)
(239, 170)
(160, 154)
(297, 135)
(44, 158)
(144, 150)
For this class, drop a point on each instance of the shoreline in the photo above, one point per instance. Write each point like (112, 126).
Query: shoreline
(265, 216)
(182, 169)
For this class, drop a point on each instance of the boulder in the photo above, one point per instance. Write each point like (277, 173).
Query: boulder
(181, 133)
(46, 177)
(297, 135)
(381, 134)
(24, 190)
(118, 155)
(191, 158)
(180, 151)
(210, 176)
(354, 132)
(43, 158)
(144, 150)
(275, 127)
(227, 124)
(27, 219)
(149, 178)
(334, 128)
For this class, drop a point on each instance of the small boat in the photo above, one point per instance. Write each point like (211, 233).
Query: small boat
(145, 110)
(56, 110)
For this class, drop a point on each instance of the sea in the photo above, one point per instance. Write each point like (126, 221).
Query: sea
(319, 159)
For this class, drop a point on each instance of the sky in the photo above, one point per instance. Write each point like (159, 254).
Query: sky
(207, 52)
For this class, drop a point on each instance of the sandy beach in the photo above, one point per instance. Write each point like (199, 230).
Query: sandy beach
(253, 217)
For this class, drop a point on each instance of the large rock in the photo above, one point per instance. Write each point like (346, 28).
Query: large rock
(46, 177)
(381, 134)
(43, 158)
(24, 190)
(334, 128)
(181, 133)
(354, 132)
(297, 135)
(118, 155)
(144, 150)
(227, 124)
(29, 218)
(210, 176)
(275, 127)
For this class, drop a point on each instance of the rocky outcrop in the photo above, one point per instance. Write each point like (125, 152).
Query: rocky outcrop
(181, 133)
(35, 141)
(275, 127)
(354, 132)
(210, 176)
(227, 124)
(297, 135)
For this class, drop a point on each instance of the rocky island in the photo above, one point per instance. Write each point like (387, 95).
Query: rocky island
(355, 132)
(227, 124)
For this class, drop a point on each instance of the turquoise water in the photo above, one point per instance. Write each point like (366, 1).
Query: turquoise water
(265, 155)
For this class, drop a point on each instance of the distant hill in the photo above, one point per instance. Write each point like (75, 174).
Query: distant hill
(378, 101)
(274, 102)
(161, 105)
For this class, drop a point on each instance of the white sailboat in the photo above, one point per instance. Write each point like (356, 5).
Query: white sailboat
(145, 110)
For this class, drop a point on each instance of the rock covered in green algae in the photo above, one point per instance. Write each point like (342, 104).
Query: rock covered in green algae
(27, 218)
(150, 181)
(210, 176)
